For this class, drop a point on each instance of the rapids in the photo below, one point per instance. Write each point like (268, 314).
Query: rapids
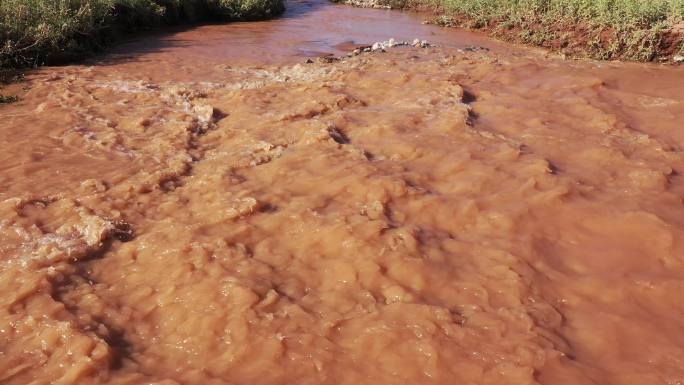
(204, 207)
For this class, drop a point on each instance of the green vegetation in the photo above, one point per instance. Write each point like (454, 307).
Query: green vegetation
(35, 32)
(605, 29)
(613, 13)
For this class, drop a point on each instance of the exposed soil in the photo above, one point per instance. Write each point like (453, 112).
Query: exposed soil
(577, 40)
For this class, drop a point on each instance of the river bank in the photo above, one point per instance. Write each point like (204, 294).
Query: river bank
(38, 32)
(645, 31)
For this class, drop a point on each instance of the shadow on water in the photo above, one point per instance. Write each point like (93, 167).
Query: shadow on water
(132, 47)
(300, 8)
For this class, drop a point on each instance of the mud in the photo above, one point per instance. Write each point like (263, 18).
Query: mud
(418, 216)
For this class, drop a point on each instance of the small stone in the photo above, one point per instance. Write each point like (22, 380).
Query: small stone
(678, 59)
(309, 61)
(416, 43)
(376, 47)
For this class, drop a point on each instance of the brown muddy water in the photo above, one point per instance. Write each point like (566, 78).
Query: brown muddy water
(203, 208)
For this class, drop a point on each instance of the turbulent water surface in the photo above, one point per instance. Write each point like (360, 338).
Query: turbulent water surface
(203, 207)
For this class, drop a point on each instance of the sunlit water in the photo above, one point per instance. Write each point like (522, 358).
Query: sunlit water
(202, 207)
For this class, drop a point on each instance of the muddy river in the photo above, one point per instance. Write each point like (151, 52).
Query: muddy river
(205, 207)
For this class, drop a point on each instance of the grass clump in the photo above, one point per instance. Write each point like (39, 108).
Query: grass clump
(605, 29)
(35, 32)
